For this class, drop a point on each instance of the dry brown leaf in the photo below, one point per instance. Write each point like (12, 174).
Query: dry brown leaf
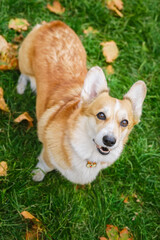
(3, 168)
(90, 30)
(115, 5)
(110, 51)
(8, 55)
(3, 105)
(34, 233)
(28, 215)
(3, 44)
(126, 200)
(80, 187)
(18, 24)
(103, 238)
(18, 39)
(36, 229)
(56, 8)
(25, 116)
(109, 70)
(125, 235)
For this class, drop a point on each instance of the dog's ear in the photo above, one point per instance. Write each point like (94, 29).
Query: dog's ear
(136, 95)
(94, 83)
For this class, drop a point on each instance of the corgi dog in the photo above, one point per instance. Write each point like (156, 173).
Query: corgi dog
(82, 128)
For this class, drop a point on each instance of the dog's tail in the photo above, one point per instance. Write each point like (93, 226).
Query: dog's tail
(22, 83)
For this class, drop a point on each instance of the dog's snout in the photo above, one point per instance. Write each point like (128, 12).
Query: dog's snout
(109, 140)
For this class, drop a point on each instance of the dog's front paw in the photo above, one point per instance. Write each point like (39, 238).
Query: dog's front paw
(38, 175)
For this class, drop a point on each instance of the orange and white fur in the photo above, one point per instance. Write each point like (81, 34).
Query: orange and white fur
(82, 128)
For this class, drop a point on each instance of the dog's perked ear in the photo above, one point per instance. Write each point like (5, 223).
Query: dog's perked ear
(94, 83)
(136, 95)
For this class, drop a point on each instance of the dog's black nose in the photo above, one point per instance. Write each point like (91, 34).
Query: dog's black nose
(109, 140)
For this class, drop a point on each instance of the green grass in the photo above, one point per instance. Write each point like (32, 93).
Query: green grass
(66, 213)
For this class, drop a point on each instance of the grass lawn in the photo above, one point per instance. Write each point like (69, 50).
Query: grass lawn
(67, 213)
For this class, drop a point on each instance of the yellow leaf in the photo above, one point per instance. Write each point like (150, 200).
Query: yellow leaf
(110, 51)
(18, 24)
(125, 235)
(115, 5)
(24, 116)
(109, 70)
(28, 215)
(90, 30)
(126, 200)
(56, 8)
(8, 55)
(3, 105)
(3, 44)
(3, 168)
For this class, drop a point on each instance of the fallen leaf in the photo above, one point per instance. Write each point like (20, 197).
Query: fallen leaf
(109, 70)
(36, 229)
(24, 116)
(8, 55)
(110, 51)
(56, 7)
(112, 232)
(126, 200)
(3, 105)
(125, 235)
(34, 233)
(3, 168)
(28, 215)
(90, 30)
(3, 44)
(103, 238)
(80, 187)
(134, 195)
(115, 5)
(18, 39)
(18, 24)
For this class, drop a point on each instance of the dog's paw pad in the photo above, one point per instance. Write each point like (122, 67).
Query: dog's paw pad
(38, 175)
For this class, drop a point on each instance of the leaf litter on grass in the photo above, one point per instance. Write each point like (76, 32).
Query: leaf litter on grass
(18, 24)
(3, 105)
(109, 69)
(8, 55)
(3, 168)
(56, 8)
(113, 233)
(36, 229)
(110, 51)
(116, 6)
(90, 30)
(25, 116)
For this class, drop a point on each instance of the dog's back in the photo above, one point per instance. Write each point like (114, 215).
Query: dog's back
(53, 54)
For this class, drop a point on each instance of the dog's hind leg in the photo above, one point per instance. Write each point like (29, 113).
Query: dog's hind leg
(41, 168)
(22, 83)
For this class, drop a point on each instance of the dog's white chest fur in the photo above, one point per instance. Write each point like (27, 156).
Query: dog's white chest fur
(79, 173)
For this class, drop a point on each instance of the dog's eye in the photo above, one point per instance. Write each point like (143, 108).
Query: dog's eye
(124, 123)
(101, 116)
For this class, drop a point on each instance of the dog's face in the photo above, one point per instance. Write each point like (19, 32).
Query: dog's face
(109, 120)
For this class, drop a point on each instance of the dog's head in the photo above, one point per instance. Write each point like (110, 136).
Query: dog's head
(109, 120)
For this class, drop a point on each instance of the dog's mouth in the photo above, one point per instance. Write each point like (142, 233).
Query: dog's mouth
(102, 150)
